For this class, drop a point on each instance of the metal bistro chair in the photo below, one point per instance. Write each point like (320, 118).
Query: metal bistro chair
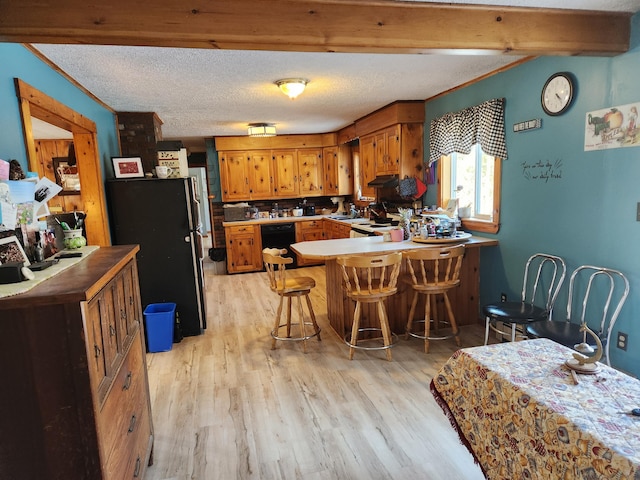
(438, 271)
(370, 279)
(537, 301)
(275, 264)
(599, 294)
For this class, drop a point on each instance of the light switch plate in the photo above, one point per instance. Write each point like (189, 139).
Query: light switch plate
(638, 212)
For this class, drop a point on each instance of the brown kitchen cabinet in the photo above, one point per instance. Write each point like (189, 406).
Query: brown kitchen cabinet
(52, 154)
(334, 229)
(260, 176)
(367, 165)
(244, 248)
(338, 179)
(310, 172)
(246, 175)
(307, 231)
(285, 173)
(234, 176)
(75, 391)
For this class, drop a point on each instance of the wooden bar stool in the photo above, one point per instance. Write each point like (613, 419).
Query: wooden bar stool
(370, 279)
(438, 271)
(275, 265)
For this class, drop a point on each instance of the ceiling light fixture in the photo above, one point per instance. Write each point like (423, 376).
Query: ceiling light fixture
(262, 130)
(292, 87)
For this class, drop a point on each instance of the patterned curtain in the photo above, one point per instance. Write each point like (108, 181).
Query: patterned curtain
(459, 131)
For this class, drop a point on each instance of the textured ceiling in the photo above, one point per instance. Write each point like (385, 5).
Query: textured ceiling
(206, 93)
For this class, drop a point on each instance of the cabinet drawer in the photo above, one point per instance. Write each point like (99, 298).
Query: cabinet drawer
(310, 224)
(125, 406)
(241, 229)
(130, 461)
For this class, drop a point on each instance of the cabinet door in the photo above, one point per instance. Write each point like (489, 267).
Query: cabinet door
(95, 347)
(393, 144)
(367, 165)
(244, 251)
(234, 176)
(285, 173)
(380, 152)
(260, 177)
(310, 171)
(330, 161)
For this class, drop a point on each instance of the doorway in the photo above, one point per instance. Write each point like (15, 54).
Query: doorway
(35, 104)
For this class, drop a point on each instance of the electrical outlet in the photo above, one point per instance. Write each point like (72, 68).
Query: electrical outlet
(503, 297)
(622, 341)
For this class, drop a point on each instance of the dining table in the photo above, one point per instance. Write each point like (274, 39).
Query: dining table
(523, 415)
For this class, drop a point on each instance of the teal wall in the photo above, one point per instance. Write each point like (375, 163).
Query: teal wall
(588, 216)
(19, 62)
(213, 170)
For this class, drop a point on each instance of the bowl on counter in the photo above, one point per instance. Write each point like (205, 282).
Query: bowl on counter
(297, 212)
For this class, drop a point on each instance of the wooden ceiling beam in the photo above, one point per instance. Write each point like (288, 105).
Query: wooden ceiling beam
(373, 26)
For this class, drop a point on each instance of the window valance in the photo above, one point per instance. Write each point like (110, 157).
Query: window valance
(459, 131)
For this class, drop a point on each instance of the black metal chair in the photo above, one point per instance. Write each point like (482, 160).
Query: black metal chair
(543, 277)
(599, 294)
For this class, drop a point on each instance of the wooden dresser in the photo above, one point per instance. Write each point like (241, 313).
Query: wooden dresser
(74, 395)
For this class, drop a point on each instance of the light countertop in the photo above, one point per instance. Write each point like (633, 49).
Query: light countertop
(326, 249)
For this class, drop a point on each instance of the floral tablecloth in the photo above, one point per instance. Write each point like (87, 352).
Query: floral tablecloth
(522, 417)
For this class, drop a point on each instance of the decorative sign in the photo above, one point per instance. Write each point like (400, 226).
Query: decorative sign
(542, 170)
(532, 124)
(614, 127)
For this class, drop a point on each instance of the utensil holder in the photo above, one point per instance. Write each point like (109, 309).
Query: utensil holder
(74, 239)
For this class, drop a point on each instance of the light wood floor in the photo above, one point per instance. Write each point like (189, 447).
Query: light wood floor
(225, 406)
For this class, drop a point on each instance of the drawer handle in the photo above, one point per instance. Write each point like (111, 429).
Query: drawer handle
(136, 472)
(127, 382)
(123, 314)
(132, 424)
(97, 350)
(112, 331)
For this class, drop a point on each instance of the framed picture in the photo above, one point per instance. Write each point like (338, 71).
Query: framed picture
(11, 251)
(127, 167)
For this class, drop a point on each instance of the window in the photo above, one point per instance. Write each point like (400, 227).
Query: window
(474, 179)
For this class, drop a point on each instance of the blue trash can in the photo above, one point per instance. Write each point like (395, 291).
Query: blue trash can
(159, 321)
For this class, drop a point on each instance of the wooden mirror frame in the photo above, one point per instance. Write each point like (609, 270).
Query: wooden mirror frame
(34, 103)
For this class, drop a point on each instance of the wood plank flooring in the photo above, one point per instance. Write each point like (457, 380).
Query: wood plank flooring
(226, 406)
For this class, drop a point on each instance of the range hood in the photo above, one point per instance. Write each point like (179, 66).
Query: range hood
(384, 181)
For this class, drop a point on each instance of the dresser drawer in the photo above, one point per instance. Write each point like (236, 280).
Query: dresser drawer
(130, 460)
(126, 404)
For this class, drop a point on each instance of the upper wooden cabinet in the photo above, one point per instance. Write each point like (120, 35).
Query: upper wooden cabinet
(310, 173)
(338, 178)
(260, 175)
(234, 176)
(285, 167)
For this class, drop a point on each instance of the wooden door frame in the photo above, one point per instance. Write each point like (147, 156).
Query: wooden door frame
(34, 103)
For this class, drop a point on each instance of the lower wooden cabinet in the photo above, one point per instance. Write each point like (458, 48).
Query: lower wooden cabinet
(244, 248)
(335, 229)
(307, 231)
(75, 396)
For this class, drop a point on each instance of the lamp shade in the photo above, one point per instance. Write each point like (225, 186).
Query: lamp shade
(262, 130)
(292, 87)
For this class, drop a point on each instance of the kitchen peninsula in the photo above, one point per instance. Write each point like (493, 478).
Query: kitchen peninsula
(465, 299)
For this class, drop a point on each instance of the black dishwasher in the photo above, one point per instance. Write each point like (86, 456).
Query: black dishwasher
(280, 235)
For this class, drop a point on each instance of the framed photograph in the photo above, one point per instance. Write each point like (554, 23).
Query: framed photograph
(127, 167)
(11, 251)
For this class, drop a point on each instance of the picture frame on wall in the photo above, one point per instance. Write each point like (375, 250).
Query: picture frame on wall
(11, 251)
(127, 167)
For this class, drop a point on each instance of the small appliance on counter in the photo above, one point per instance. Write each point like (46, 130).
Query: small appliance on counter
(309, 209)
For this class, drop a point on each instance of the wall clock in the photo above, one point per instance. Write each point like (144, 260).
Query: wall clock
(557, 93)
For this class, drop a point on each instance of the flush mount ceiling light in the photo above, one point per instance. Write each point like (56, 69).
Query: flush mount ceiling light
(262, 130)
(292, 87)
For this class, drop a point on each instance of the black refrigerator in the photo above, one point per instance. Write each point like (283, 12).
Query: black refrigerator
(162, 216)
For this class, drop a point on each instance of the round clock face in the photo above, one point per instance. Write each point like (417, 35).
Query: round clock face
(557, 94)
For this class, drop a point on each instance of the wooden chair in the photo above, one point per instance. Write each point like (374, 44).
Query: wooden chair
(543, 276)
(275, 265)
(370, 279)
(434, 271)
